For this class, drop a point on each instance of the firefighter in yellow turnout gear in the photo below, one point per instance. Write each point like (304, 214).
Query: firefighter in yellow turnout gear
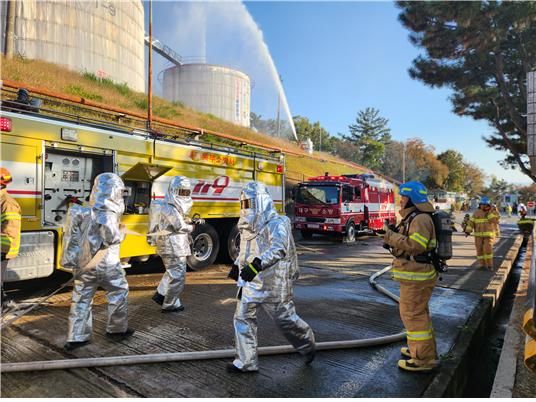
(410, 243)
(10, 235)
(525, 224)
(483, 224)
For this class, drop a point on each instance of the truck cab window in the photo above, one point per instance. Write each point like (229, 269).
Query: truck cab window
(357, 193)
(347, 194)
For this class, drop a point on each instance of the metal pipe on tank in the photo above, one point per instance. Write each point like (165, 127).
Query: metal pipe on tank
(150, 73)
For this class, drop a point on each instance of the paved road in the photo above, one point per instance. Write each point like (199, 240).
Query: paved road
(332, 294)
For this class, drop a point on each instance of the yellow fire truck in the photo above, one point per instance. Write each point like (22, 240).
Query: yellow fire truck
(54, 158)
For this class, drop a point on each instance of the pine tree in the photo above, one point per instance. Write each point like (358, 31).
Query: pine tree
(370, 133)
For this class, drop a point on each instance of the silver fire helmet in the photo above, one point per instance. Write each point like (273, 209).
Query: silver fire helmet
(107, 193)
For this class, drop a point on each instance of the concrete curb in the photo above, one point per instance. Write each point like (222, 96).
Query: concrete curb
(452, 377)
(503, 385)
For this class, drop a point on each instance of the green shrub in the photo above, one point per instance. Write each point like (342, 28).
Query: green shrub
(79, 91)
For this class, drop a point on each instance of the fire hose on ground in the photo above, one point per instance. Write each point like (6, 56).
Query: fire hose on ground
(204, 355)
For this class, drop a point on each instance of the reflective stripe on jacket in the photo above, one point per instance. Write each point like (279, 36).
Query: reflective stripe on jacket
(412, 241)
(483, 224)
(11, 221)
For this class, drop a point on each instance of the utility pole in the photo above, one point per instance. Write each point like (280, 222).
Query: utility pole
(150, 72)
(278, 109)
(404, 162)
(10, 29)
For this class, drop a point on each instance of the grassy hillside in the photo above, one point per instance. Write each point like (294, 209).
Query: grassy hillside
(40, 74)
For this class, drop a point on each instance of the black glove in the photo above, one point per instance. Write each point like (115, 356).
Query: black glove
(251, 270)
(233, 273)
(392, 227)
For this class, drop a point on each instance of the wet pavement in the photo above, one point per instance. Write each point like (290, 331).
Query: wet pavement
(333, 295)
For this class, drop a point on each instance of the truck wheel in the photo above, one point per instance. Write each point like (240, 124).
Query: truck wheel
(306, 235)
(233, 243)
(205, 247)
(349, 237)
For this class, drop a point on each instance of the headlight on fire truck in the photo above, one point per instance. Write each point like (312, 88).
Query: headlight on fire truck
(299, 219)
(333, 221)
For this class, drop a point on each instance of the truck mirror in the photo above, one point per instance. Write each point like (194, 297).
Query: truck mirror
(293, 193)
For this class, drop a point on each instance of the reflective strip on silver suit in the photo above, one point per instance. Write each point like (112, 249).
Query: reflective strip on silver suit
(106, 202)
(267, 236)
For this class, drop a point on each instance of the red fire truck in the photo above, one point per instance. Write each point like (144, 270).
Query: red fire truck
(343, 205)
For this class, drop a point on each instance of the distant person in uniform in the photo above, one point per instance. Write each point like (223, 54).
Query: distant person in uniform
(483, 226)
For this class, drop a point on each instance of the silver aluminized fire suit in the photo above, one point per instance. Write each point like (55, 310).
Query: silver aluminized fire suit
(267, 236)
(103, 232)
(174, 247)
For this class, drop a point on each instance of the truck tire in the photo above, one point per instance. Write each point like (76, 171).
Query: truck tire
(306, 235)
(349, 236)
(233, 243)
(205, 247)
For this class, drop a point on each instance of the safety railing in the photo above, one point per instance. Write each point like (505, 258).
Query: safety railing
(529, 320)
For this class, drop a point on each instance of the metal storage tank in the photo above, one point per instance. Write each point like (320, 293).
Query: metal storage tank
(101, 37)
(208, 88)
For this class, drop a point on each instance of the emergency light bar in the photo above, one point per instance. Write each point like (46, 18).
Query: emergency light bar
(5, 124)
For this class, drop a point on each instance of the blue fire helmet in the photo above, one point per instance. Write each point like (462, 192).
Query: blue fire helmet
(484, 201)
(415, 191)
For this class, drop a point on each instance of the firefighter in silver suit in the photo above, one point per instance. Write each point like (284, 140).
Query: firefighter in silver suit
(267, 266)
(174, 247)
(104, 233)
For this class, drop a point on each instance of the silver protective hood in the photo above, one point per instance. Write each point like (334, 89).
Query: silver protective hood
(259, 213)
(107, 193)
(173, 196)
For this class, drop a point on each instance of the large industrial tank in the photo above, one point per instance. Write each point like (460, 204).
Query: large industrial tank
(218, 90)
(101, 37)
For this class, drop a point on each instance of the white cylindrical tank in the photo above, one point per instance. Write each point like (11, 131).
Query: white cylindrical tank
(101, 37)
(213, 89)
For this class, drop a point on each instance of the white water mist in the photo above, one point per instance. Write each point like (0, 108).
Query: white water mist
(225, 34)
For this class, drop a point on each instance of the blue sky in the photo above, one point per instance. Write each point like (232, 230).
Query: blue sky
(336, 58)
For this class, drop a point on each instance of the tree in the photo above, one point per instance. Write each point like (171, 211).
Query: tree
(527, 193)
(456, 177)
(483, 51)
(392, 165)
(321, 139)
(427, 168)
(370, 133)
(497, 188)
(269, 126)
(474, 179)
(346, 150)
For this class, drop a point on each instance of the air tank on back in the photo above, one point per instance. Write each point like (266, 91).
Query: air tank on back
(101, 37)
(213, 89)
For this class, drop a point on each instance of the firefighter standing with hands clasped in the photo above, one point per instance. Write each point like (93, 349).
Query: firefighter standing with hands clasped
(483, 224)
(410, 243)
(265, 269)
(173, 246)
(11, 220)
